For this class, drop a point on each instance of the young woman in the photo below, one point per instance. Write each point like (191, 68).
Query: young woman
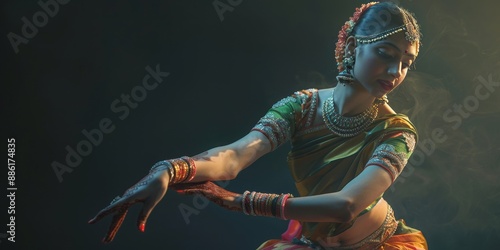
(348, 147)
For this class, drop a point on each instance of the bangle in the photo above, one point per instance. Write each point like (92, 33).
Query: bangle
(243, 198)
(283, 203)
(262, 204)
(252, 196)
(180, 169)
(191, 169)
(258, 205)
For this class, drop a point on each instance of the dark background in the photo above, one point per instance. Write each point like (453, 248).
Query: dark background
(224, 75)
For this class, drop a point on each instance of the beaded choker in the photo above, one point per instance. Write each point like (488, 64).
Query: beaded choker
(348, 126)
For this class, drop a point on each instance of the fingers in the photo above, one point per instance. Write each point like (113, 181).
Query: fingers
(148, 207)
(116, 204)
(115, 225)
(108, 210)
(103, 213)
(120, 207)
(149, 190)
(207, 189)
(190, 188)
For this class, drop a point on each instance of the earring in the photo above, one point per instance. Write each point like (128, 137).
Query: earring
(346, 77)
(383, 99)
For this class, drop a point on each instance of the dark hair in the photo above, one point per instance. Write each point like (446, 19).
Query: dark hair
(383, 16)
(372, 19)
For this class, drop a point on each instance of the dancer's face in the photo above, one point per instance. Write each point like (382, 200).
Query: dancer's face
(381, 66)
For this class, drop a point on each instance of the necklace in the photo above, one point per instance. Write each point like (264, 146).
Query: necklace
(348, 126)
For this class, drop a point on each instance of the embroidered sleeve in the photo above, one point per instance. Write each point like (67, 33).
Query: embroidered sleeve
(393, 153)
(284, 117)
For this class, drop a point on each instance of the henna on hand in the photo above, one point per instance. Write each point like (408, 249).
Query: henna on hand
(212, 192)
(115, 225)
(120, 205)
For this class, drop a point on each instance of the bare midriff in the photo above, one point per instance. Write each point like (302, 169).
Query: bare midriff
(363, 227)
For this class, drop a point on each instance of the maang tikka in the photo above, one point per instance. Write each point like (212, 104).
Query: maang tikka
(346, 76)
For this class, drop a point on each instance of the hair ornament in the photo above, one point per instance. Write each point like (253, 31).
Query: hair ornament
(345, 32)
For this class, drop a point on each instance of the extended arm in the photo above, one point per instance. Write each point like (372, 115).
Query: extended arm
(342, 206)
(385, 164)
(225, 162)
(220, 163)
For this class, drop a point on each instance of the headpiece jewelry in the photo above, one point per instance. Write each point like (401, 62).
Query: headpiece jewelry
(384, 34)
(411, 34)
(345, 32)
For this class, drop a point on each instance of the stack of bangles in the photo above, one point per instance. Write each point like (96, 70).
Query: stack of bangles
(180, 169)
(261, 204)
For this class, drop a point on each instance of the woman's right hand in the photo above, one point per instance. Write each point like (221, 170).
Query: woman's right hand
(213, 192)
(149, 191)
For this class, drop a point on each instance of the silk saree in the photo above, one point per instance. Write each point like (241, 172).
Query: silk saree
(323, 162)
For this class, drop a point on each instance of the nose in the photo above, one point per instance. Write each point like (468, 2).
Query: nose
(395, 69)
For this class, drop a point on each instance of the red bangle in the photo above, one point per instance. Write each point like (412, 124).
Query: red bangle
(191, 167)
(283, 203)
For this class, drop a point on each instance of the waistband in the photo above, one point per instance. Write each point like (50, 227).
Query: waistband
(372, 241)
(379, 236)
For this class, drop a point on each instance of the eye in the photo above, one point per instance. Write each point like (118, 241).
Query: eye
(384, 54)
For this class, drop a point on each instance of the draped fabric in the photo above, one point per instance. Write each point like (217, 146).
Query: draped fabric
(322, 162)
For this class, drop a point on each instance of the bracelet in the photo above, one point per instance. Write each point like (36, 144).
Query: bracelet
(192, 168)
(243, 207)
(285, 198)
(179, 170)
(262, 204)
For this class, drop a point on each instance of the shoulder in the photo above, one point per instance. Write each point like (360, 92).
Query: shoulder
(399, 120)
(392, 119)
(298, 97)
(305, 94)
(397, 124)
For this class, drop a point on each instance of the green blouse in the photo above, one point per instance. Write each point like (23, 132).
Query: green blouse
(322, 162)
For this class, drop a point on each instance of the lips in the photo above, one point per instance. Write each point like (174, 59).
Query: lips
(386, 85)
